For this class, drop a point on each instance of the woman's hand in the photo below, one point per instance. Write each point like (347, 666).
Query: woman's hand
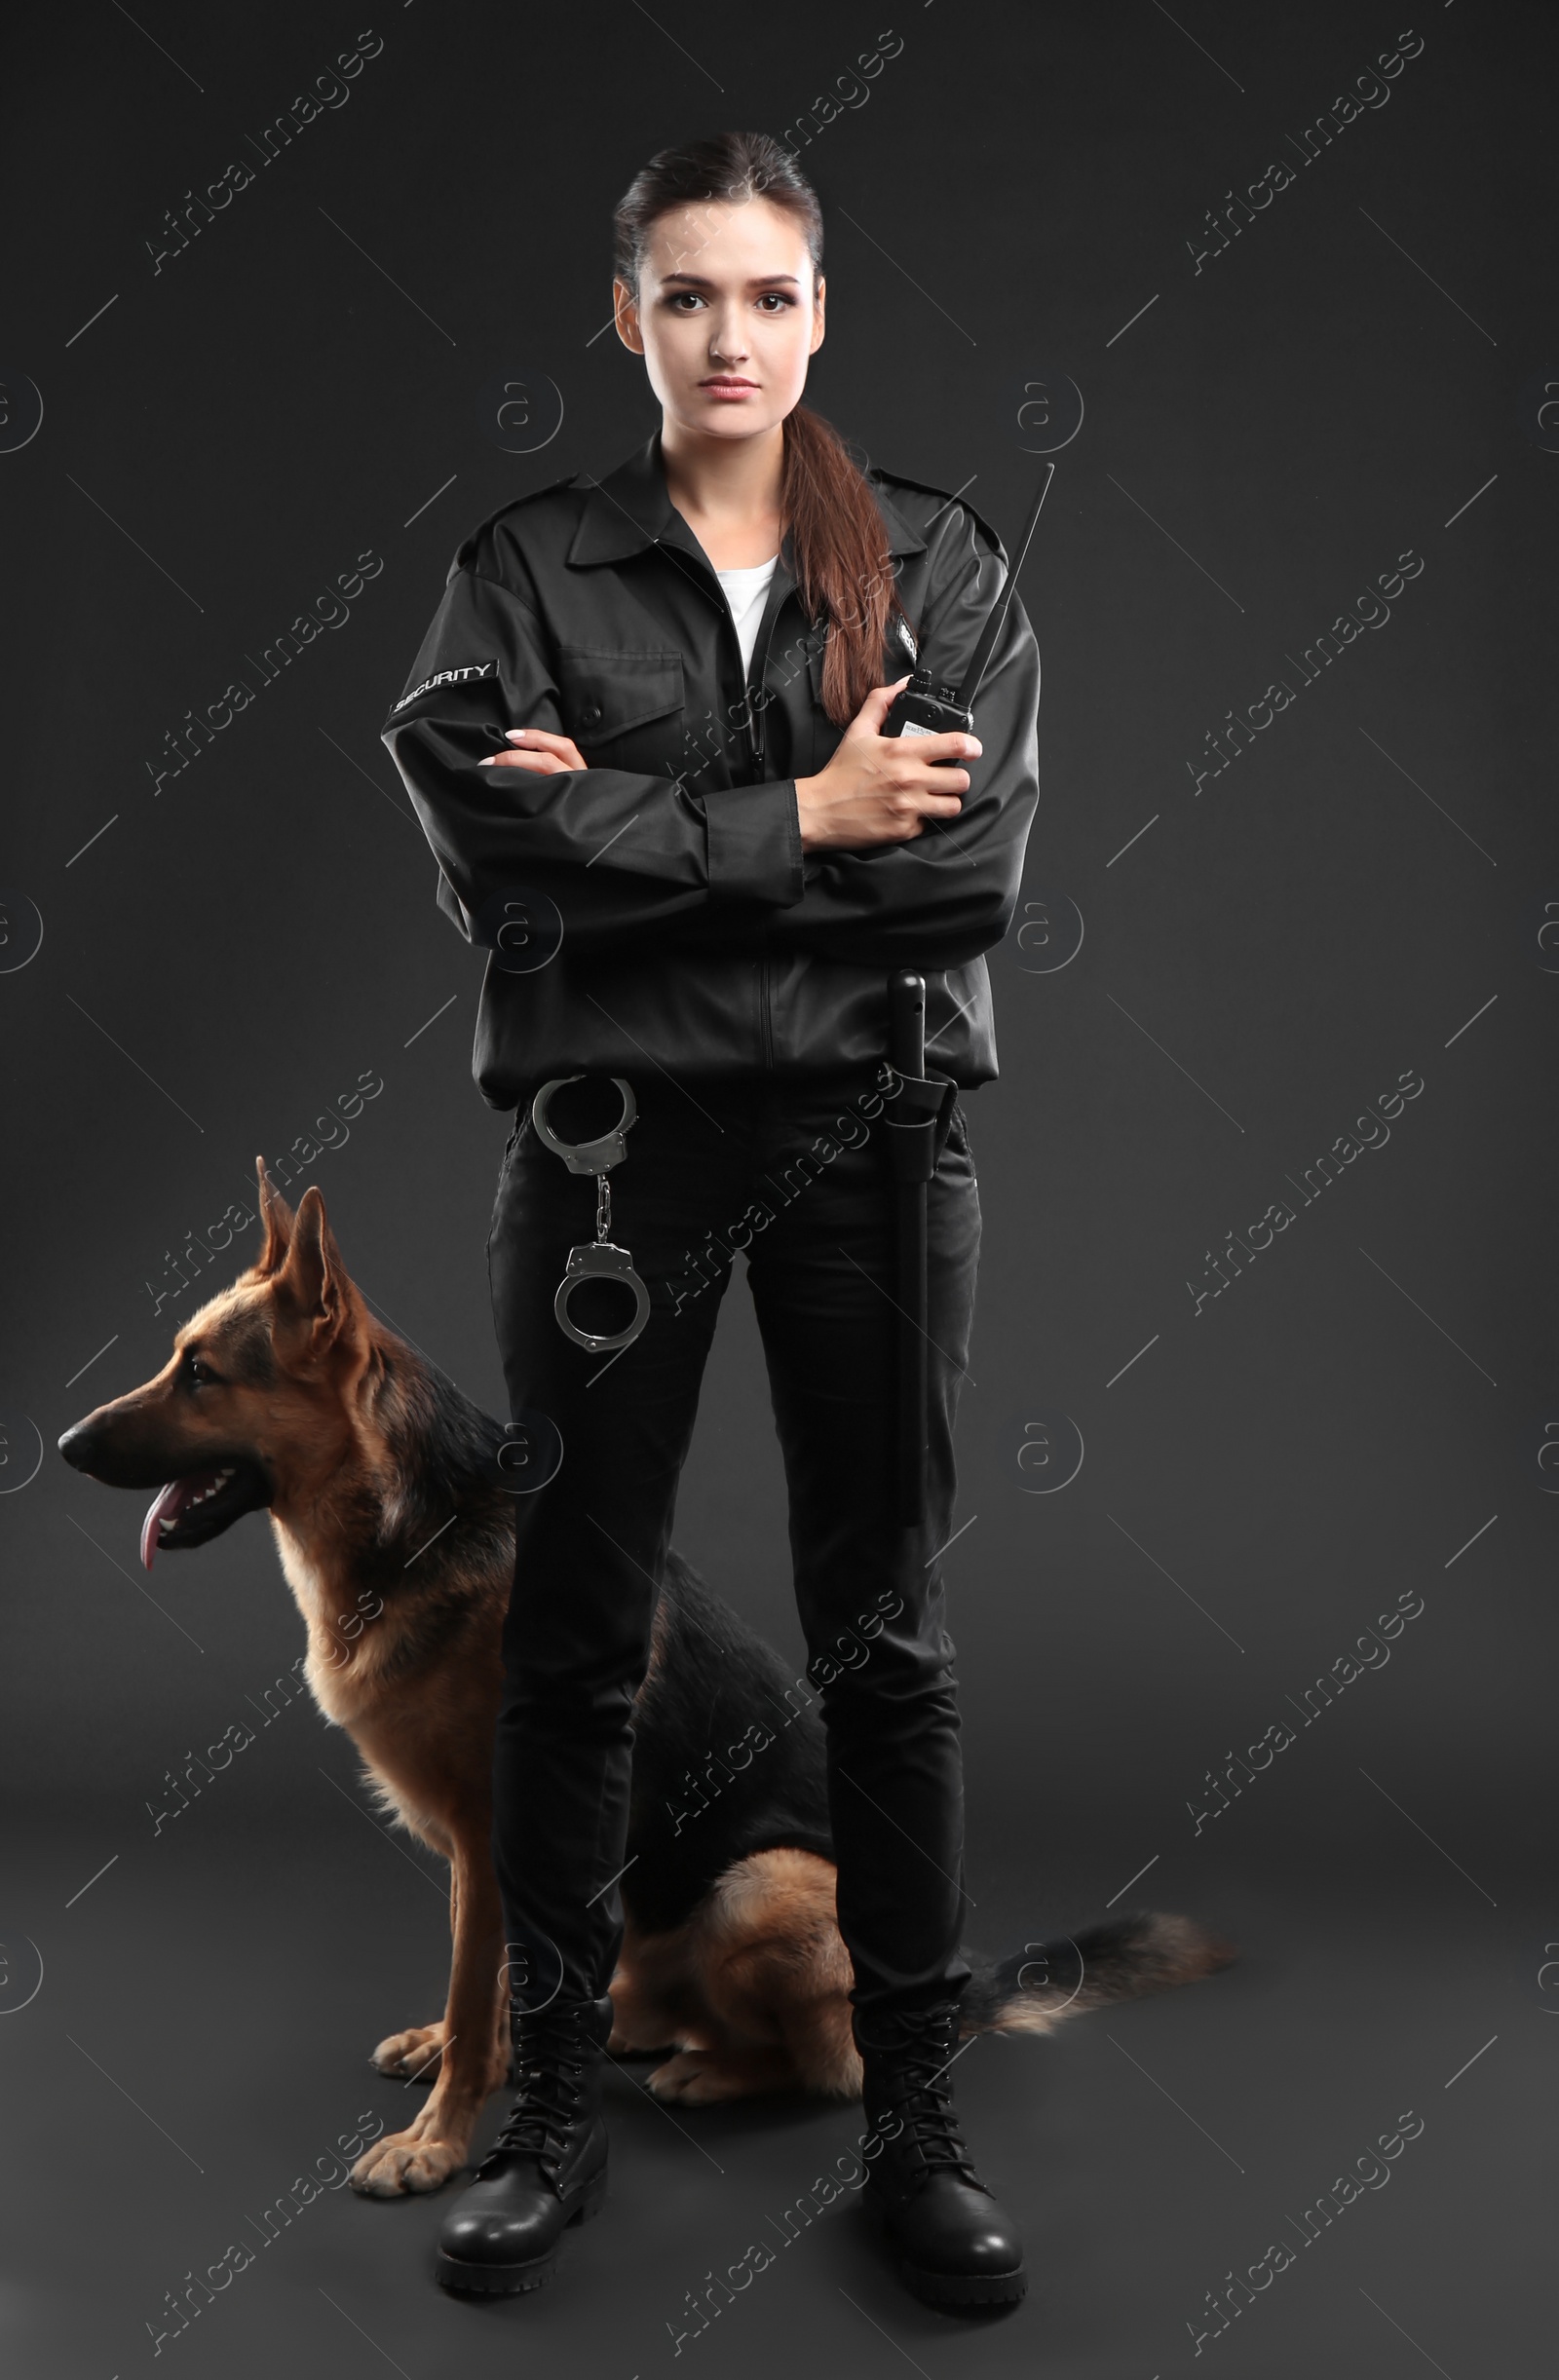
(881, 788)
(540, 751)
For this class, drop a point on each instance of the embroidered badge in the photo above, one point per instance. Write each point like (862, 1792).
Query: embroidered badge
(449, 677)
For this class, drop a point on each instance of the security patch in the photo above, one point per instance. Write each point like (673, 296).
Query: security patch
(449, 677)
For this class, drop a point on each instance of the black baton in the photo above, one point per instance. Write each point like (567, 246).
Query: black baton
(919, 1102)
(914, 1109)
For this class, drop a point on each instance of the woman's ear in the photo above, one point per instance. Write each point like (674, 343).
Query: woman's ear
(625, 311)
(816, 316)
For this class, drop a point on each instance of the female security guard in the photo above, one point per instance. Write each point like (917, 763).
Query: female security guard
(643, 736)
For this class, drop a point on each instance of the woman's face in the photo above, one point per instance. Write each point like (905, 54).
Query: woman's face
(726, 316)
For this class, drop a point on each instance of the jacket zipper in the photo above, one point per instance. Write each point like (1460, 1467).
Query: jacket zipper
(756, 742)
(757, 746)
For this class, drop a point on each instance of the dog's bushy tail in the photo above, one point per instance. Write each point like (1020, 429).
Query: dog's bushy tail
(1118, 1959)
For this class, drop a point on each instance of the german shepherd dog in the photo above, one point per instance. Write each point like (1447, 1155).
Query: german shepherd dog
(396, 1532)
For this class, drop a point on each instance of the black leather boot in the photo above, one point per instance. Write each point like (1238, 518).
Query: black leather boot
(546, 2169)
(954, 2244)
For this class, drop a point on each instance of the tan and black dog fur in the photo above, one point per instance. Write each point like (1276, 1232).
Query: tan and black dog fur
(397, 1538)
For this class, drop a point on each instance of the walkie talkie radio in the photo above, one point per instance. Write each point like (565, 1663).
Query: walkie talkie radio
(928, 709)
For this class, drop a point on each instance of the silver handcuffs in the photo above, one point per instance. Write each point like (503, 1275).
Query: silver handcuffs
(597, 1260)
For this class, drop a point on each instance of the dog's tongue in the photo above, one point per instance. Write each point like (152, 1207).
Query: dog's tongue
(169, 1505)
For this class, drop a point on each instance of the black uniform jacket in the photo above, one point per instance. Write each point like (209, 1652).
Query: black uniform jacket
(694, 931)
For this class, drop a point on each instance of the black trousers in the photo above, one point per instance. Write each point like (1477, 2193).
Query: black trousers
(797, 1172)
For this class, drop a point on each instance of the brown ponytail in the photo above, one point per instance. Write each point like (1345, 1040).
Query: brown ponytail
(844, 570)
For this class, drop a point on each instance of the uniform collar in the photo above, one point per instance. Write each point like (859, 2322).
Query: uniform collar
(629, 511)
(902, 538)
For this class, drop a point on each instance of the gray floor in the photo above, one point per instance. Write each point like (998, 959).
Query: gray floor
(203, 2039)
(211, 1989)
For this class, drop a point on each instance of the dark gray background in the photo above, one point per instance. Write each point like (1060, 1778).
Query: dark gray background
(1361, 374)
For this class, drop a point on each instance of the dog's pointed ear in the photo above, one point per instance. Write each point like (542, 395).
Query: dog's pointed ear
(279, 1221)
(313, 1294)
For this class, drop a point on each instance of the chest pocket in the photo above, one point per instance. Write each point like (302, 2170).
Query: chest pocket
(625, 706)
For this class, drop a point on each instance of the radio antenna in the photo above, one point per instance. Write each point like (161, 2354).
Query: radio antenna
(993, 626)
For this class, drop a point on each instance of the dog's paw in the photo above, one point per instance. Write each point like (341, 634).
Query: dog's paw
(414, 2056)
(642, 2025)
(697, 2078)
(632, 2044)
(401, 2163)
(700, 2076)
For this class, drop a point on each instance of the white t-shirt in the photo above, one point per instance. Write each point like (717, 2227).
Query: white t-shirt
(745, 592)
